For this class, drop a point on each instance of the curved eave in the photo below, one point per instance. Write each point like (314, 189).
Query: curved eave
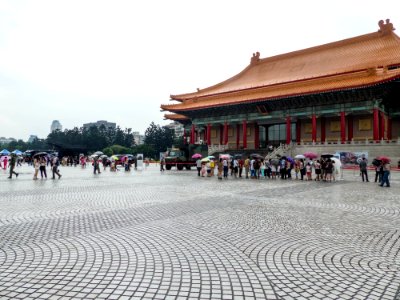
(176, 117)
(282, 96)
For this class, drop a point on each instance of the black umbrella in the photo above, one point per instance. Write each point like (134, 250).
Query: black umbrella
(256, 155)
(326, 155)
(40, 154)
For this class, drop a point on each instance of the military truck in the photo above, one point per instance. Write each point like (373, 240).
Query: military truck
(182, 157)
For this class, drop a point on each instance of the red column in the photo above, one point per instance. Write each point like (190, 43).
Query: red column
(350, 128)
(323, 130)
(382, 126)
(256, 136)
(298, 131)
(343, 127)
(288, 130)
(314, 128)
(244, 134)
(192, 135)
(375, 124)
(208, 134)
(221, 133)
(237, 135)
(389, 128)
(225, 133)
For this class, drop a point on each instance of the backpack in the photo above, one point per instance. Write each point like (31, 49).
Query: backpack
(256, 164)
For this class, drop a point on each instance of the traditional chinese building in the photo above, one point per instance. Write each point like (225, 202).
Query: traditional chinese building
(343, 91)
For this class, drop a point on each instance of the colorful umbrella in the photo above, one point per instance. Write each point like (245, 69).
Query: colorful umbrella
(225, 156)
(310, 155)
(205, 159)
(114, 157)
(289, 159)
(197, 155)
(211, 157)
(383, 159)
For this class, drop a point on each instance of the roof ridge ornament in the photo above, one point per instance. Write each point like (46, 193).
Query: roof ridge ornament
(387, 28)
(255, 58)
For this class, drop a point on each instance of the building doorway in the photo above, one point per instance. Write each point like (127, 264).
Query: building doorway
(277, 134)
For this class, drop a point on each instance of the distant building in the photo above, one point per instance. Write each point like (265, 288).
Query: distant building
(177, 127)
(32, 138)
(99, 123)
(4, 140)
(55, 125)
(139, 138)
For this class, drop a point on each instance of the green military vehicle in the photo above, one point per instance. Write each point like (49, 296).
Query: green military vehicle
(182, 157)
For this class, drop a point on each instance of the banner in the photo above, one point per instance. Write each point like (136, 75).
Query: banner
(139, 158)
(351, 158)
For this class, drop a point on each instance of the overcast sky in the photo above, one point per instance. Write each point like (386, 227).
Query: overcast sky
(83, 61)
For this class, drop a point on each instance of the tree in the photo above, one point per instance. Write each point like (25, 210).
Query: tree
(160, 138)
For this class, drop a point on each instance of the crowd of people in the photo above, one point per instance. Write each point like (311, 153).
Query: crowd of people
(323, 169)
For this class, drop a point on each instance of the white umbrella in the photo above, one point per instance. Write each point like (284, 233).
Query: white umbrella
(299, 156)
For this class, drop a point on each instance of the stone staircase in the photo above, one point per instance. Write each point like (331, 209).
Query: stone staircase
(282, 150)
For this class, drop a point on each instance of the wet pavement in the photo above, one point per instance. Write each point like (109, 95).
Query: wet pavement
(146, 235)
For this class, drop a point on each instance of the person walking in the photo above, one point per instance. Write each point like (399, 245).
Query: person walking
(55, 163)
(5, 161)
(363, 169)
(386, 174)
(12, 166)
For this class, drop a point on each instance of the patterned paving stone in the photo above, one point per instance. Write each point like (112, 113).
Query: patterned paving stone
(146, 235)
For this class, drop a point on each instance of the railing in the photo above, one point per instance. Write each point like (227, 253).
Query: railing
(352, 142)
(217, 148)
(279, 151)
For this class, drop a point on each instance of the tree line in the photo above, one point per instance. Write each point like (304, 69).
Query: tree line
(109, 140)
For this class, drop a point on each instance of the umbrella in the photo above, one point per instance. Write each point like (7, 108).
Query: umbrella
(383, 158)
(256, 155)
(275, 161)
(238, 156)
(94, 156)
(98, 153)
(197, 155)
(114, 157)
(4, 152)
(289, 159)
(103, 156)
(299, 156)
(17, 152)
(205, 159)
(310, 155)
(376, 162)
(40, 154)
(327, 155)
(211, 157)
(225, 156)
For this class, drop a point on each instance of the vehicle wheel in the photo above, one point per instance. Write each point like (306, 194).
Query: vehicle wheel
(180, 167)
(168, 167)
(187, 167)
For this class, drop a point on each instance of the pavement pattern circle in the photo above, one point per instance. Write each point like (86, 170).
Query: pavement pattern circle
(173, 235)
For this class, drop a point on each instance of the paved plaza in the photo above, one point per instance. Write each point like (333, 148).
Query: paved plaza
(146, 235)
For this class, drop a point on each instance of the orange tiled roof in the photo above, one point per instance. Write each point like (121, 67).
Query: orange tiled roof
(333, 66)
(175, 117)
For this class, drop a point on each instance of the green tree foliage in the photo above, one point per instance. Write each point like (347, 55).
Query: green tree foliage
(92, 138)
(160, 138)
(146, 150)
